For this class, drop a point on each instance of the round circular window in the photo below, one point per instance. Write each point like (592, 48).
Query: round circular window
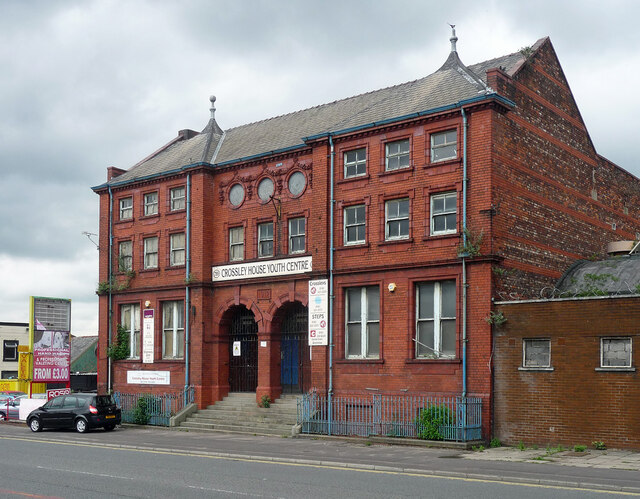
(236, 195)
(265, 189)
(297, 183)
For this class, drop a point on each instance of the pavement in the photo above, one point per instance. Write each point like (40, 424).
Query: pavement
(590, 458)
(610, 470)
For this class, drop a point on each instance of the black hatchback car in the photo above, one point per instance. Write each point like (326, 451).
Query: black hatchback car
(79, 411)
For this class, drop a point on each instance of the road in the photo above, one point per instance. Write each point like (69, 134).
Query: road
(130, 463)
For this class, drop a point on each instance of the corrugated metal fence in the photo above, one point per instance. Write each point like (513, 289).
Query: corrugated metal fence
(159, 407)
(449, 418)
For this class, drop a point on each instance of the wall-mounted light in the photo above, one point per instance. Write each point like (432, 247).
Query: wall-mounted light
(392, 287)
(147, 304)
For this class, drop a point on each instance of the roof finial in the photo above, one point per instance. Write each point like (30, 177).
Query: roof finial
(213, 107)
(453, 38)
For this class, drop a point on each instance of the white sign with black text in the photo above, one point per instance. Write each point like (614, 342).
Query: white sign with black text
(148, 377)
(148, 326)
(319, 312)
(269, 268)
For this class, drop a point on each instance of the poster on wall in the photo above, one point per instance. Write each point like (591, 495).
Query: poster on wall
(319, 312)
(50, 332)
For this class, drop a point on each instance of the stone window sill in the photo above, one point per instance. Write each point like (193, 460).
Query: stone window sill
(616, 369)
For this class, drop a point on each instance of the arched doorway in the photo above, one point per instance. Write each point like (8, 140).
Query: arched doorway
(243, 351)
(295, 367)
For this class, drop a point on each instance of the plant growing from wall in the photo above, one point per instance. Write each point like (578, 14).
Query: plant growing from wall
(265, 401)
(526, 52)
(189, 279)
(495, 319)
(113, 285)
(431, 420)
(119, 349)
(502, 271)
(470, 245)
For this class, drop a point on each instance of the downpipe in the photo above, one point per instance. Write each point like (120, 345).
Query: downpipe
(331, 297)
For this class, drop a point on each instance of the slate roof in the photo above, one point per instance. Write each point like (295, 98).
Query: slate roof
(80, 344)
(449, 85)
(613, 276)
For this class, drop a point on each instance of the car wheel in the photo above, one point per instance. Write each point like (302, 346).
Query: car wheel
(81, 425)
(109, 427)
(2, 416)
(35, 425)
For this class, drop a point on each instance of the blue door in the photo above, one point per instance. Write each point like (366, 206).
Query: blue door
(294, 350)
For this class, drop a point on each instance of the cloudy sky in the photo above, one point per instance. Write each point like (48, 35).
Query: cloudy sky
(89, 84)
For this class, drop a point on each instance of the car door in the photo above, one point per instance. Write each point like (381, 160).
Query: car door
(68, 411)
(52, 412)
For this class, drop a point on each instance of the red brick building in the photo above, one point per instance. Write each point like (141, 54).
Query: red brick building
(555, 382)
(419, 203)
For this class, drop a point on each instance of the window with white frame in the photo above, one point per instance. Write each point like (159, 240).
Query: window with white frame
(236, 244)
(297, 235)
(355, 163)
(436, 320)
(362, 322)
(125, 256)
(265, 239)
(130, 320)
(151, 253)
(615, 352)
(397, 155)
(126, 208)
(355, 224)
(397, 219)
(173, 330)
(176, 197)
(10, 350)
(444, 145)
(151, 203)
(443, 213)
(536, 352)
(176, 250)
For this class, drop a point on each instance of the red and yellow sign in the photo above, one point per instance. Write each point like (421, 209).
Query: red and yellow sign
(24, 371)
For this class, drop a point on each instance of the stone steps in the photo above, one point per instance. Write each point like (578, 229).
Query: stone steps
(239, 413)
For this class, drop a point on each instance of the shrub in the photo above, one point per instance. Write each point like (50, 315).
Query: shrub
(141, 413)
(495, 442)
(598, 445)
(579, 448)
(430, 421)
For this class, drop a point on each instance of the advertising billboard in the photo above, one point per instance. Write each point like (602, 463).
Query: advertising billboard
(50, 328)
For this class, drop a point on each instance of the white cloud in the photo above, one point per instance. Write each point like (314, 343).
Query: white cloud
(25, 277)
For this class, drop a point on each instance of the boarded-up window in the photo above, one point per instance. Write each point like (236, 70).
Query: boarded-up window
(536, 352)
(615, 352)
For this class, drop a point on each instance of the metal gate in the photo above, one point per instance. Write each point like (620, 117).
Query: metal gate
(294, 350)
(243, 352)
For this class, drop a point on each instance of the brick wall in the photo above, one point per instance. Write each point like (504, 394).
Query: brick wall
(554, 199)
(574, 403)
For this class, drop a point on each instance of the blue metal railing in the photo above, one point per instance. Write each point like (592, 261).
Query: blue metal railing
(159, 407)
(456, 418)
